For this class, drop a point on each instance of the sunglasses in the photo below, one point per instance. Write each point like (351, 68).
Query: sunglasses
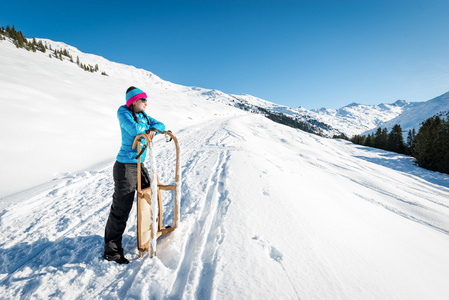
(144, 100)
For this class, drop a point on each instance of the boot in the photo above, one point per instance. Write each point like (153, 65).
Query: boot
(116, 257)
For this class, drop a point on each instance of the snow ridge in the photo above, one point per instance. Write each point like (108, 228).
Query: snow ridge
(418, 113)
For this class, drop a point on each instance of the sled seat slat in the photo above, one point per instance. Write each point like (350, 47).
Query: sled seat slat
(166, 187)
(164, 231)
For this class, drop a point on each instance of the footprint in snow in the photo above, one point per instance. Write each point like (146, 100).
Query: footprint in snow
(276, 254)
(273, 252)
(63, 224)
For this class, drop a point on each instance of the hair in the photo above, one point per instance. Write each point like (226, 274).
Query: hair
(131, 108)
(130, 89)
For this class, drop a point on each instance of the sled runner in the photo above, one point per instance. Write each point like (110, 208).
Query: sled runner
(149, 200)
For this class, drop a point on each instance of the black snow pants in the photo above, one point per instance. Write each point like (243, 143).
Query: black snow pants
(125, 179)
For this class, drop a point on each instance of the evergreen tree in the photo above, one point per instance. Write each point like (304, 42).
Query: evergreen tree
(369, 141)
(384, 138)
(20, 40)
(431, 147)
(358, 139)
(410, 141)
(41, 47)
(380, 138)
(341, 136)
(395, 141)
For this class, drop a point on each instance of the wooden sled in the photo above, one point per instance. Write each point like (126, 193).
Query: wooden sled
(145, 221)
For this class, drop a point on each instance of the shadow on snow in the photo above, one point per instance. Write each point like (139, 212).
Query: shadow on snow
(405, 164)
(44, 256)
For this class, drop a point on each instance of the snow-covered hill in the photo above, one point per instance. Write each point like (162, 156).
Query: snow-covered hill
(267, 211)
(58, 118)
(418, 113)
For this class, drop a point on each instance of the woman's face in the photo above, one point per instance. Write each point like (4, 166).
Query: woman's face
(140, 105)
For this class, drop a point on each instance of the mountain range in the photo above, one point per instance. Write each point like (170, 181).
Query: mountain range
(357, 118)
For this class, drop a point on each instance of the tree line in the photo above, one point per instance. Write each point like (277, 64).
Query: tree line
(21, 41)
(430, 146)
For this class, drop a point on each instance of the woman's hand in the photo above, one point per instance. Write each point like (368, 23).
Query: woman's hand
(151, 133)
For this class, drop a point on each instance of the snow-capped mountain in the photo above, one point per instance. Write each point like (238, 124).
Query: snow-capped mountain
(356, 118)
(352, 119)
(412, 117)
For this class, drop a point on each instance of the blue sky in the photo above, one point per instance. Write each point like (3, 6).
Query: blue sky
(315, 53)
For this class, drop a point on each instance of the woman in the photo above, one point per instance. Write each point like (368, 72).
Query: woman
(133, 121)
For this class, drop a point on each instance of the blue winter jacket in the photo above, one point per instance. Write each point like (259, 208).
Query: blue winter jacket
(130, 129)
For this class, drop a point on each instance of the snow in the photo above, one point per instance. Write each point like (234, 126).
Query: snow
(354, 118)
(416, 115)
(267, 211)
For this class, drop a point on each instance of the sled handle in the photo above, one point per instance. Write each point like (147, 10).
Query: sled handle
(137, 139)
(147, 138)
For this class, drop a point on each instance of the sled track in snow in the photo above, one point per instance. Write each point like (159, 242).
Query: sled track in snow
(207, 203)
(215, 236)
(66, 222)
(195, 274)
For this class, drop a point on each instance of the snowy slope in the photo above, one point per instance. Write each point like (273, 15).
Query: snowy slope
(267, 212)
(273, 111)
(58, 118)
(420, 112)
